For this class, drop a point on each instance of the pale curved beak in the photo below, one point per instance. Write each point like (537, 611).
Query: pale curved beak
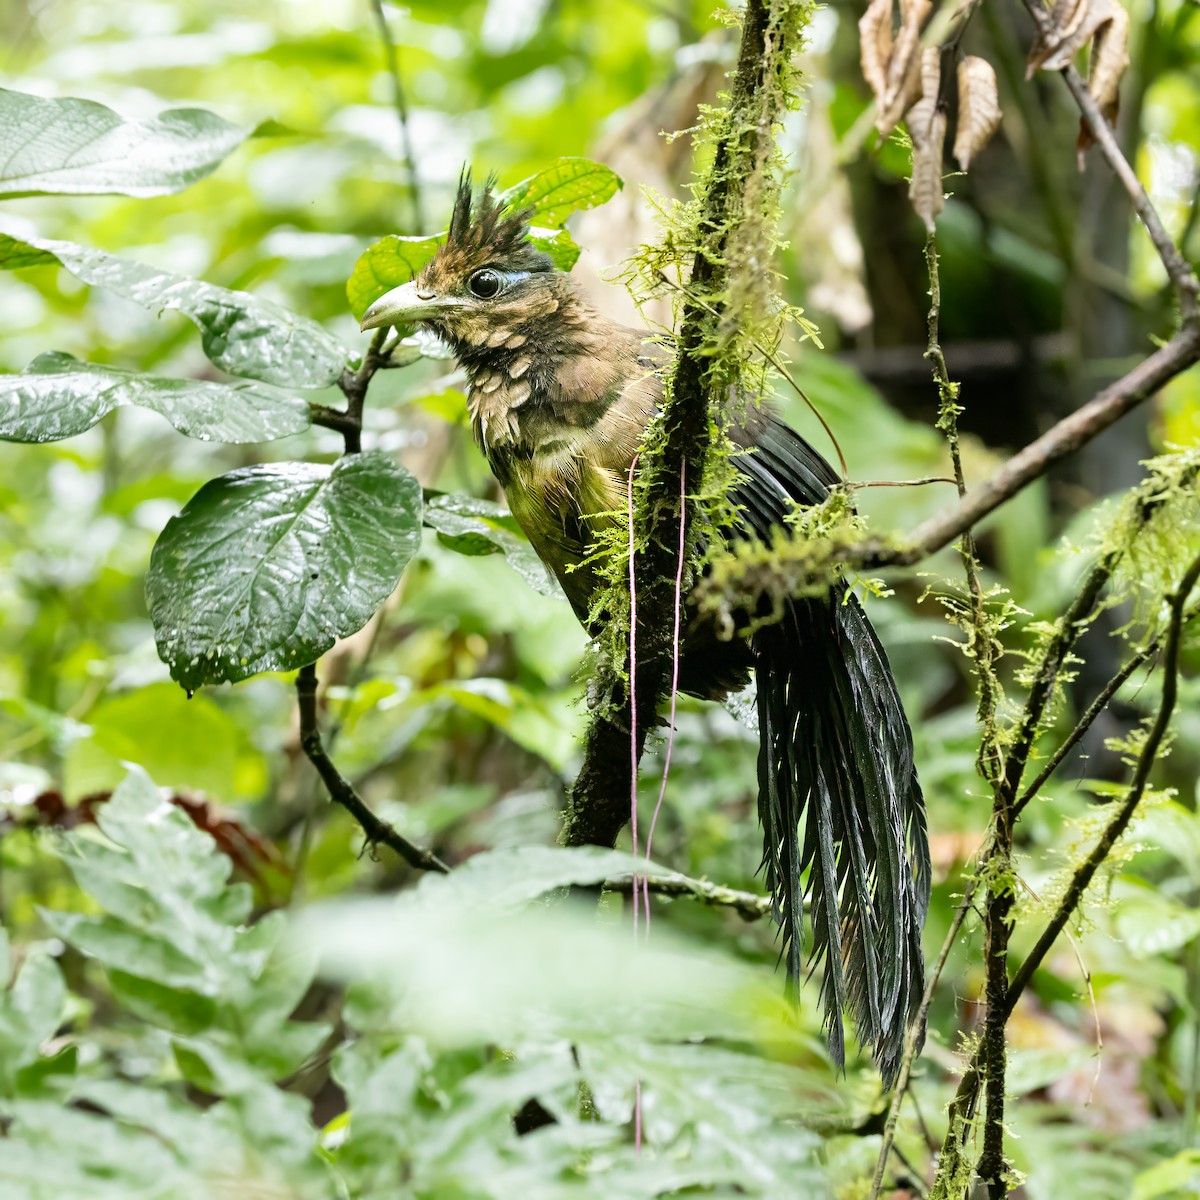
(404, 305)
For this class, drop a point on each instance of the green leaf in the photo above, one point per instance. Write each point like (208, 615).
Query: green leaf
(193, 745)
(552, 195)
(30, 1012)
(559, 244)
(476, 527)
(477, 924)
(78, 147)
(564, 187)
(1151, 923)
(266, 567)
(58, 396)
(387, 264)
(1178, 1176)
(241, 333)
(175, 939)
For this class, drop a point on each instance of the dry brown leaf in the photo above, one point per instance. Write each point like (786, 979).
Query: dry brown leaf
(1065, 21)
(925, 187)
(1110, 57)
(903, 74)
(919, 118)
(978, 108)
(1072, 25)
(875, 45)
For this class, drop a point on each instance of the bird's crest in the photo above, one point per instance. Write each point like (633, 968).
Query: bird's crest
(485, 232)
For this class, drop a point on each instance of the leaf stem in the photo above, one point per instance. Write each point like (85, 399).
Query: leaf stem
(342, 792)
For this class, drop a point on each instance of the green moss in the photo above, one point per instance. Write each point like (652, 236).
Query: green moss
(723, 242)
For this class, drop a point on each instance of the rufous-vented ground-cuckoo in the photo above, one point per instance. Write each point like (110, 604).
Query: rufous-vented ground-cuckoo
(559, 399)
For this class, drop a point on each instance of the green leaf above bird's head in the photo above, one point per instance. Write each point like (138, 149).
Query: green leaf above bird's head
(544, 201)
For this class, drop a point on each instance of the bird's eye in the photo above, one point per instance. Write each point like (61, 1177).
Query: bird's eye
(485, 284)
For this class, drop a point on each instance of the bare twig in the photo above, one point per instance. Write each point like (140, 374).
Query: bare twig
(342, 792)
(400, 100)
(855, 484)
(1178, 269)
(1146, 759)
(747, 904)
(916, 1035)
(1097, 706)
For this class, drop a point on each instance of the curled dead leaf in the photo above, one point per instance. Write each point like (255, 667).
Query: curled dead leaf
(1110, 57)
(978, 108)
(919, 118)
(903, 73)
(925, 187)
(875, 45)
(1073, 23)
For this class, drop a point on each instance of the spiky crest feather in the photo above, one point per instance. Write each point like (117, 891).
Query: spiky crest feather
(485, 232)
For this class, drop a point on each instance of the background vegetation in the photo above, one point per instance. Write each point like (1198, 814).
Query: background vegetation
(167, 1031)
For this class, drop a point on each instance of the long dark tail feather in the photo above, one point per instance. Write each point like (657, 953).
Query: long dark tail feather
(836, 756)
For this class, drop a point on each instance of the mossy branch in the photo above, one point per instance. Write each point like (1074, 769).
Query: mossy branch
(962, 1107)
(732, 196)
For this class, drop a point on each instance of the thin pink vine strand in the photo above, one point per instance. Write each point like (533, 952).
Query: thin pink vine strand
(633, 773)
(662, 788)
(633, 754)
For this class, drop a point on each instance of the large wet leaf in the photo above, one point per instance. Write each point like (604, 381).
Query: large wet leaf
(552, 195)
(266, 567)
(478, 527)
(58, 396)
(241, 333)
(79, 147)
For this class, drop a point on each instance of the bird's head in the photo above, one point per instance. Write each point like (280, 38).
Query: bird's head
(485, 282)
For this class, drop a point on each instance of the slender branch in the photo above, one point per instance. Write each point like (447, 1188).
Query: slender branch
(916, 1036)
(1178, 269)
(984, 652)
(333, 418)
(747, 904)
(1154, 738)
(1071, 626)
(348, 422)
(1097, 706)
(1061, 440)
(354, 386)
(400, 100)
(342, 792)
(968, 1087)
(855, 484)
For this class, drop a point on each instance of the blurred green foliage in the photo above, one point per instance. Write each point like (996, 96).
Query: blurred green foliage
(164, 1031)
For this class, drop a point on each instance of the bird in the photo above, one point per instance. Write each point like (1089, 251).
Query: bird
(559, 399)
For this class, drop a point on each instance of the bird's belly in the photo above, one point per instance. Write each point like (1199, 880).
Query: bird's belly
(564, 503)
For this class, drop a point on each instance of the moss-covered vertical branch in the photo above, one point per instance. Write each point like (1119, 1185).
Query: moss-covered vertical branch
(728, 233)
(984, 649)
